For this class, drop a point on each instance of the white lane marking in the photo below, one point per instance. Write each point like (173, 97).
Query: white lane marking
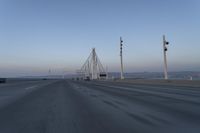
(31, 87)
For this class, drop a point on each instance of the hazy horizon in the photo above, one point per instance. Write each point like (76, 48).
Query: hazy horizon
(37, 36)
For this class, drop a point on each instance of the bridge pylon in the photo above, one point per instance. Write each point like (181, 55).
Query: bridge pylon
(92, 68)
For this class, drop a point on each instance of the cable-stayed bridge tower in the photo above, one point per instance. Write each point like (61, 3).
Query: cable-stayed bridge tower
(92, 68)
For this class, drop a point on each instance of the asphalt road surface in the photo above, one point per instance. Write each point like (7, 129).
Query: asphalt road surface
(61, 106)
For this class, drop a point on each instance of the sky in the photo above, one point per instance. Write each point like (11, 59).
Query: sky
(38, 35)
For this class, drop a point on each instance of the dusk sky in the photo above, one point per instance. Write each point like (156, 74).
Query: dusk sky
(38, 35)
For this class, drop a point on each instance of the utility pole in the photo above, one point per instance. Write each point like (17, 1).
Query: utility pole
(165, 43)
(121, 58)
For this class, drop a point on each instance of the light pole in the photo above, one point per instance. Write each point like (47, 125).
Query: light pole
(165, 43)
(121, 58)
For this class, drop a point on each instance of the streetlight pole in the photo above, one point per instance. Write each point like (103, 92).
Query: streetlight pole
(165, 43)
(121, 58)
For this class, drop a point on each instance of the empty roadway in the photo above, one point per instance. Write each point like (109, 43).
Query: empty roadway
(65, 106)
